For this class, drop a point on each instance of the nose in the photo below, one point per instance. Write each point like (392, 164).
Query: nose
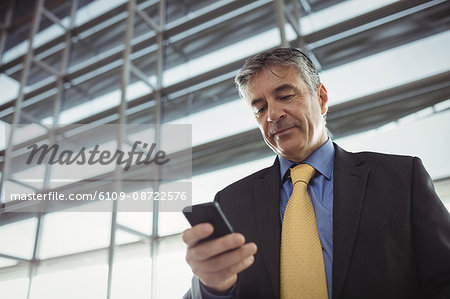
(275, 111)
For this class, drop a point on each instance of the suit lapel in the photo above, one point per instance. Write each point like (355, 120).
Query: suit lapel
(267, 207)
(350, 178)
(349, 186)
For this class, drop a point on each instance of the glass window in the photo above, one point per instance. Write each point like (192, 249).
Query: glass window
(18, 238)
(220, 121)
(123, 237)
(85, 14)
(7, 262)
(70, 232)
(11, 91)
(72, 283)
(14, 288)
(400, 65)
(132, 274)
(138, 221)
(174, 274)
(338, 13)
(242, 49)
(3, 137)
(416, 137)
(205, 187)
(74, 246)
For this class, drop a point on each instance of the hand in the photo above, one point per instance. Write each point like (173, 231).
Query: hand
(217, 262)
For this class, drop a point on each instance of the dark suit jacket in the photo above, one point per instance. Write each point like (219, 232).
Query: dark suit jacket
(391, 232)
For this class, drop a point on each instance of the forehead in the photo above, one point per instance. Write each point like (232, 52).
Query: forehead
(268, 79)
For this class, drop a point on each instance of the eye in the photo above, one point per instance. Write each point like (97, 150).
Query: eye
(259, 110)
(286, 97)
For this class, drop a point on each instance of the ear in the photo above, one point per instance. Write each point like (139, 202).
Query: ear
(322, 95)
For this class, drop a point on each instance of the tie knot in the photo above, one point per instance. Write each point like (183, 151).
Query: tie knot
(302, 172)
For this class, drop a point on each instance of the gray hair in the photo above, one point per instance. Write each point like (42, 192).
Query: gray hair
(278, 56)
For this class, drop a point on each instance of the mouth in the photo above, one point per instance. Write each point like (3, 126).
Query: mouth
(282, 131)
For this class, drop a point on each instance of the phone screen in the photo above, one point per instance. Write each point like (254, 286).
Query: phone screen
(209, 212)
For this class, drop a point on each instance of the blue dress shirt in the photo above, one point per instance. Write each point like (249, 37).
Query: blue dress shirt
(320, 189)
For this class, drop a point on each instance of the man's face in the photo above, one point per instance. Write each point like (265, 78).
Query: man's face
(289, 116)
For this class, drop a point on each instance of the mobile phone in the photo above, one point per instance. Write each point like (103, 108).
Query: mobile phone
(209, 212)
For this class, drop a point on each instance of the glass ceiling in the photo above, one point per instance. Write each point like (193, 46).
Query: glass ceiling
(346, 82)
(66, 234)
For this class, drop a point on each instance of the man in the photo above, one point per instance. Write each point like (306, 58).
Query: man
(383, 231)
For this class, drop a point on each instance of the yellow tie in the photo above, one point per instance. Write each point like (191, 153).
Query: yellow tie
(302, 270)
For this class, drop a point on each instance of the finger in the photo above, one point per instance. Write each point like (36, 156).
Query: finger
(198, 232)
(214, 247)
(216, 278)
(227, 259)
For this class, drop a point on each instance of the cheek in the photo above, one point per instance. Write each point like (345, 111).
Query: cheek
(266, 133)
(312, 114)
(262, 127)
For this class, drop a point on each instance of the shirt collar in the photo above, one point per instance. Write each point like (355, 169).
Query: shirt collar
(321, 159)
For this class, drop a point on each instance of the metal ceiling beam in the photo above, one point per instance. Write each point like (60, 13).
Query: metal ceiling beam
(5, 27)
(16, 118)
(384, 33)
(390, 9)
(170, 30)
(360, 20)
(281, 21)
(227, 72)
(383, 107)
(249, 145)
(93, 256)
(310, 38)
(421, 96)
(137, 46)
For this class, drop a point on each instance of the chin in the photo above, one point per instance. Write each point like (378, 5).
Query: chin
(293, 154)
(291, 149)
(285, 149)
(290, 155)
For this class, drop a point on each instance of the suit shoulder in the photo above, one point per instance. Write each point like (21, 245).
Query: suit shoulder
(382, 156)
(377, 160)
(370, 157)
